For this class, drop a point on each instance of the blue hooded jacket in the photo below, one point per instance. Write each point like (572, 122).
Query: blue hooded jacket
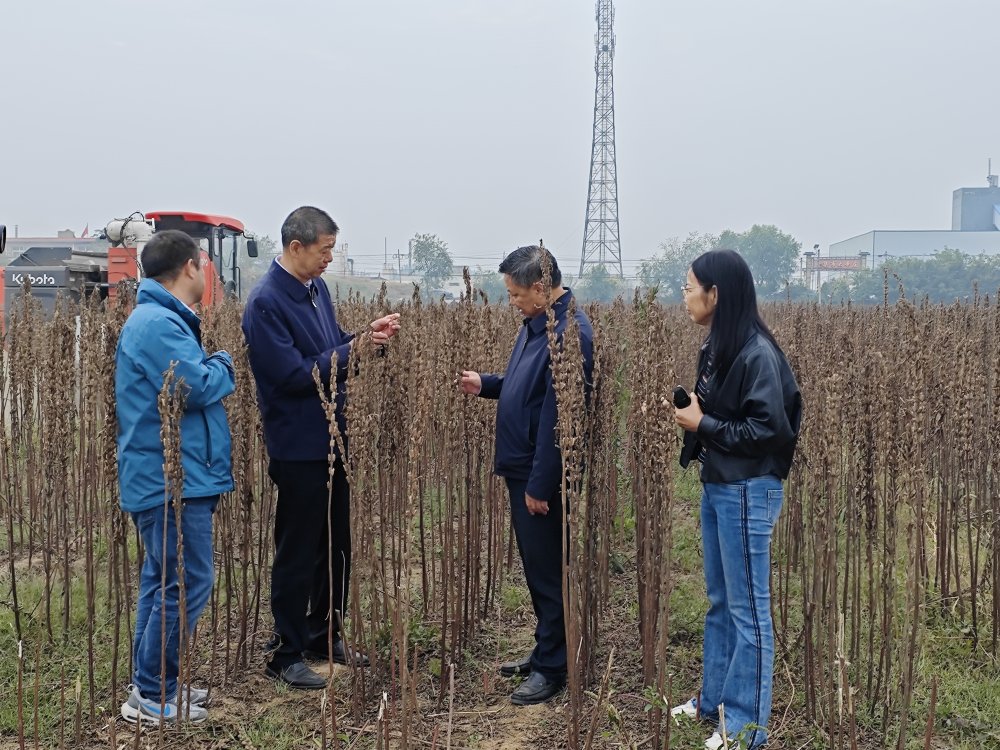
(161, 330)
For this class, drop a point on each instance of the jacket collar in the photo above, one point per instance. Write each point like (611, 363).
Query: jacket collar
(559, 307)
(284, 280)
(153, 292)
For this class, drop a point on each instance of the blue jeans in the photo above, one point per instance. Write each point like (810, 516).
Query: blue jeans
(159, 606)
(736, 524)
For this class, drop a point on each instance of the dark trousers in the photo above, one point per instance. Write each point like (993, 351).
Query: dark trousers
(540, 542)
(312, 528)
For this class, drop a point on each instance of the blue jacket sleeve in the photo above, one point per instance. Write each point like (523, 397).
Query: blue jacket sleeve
(275, 357)
(225, 358)
(343, 353)
(492, 385)
(206, 379)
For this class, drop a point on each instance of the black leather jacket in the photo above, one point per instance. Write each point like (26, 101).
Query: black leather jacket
(752, 417)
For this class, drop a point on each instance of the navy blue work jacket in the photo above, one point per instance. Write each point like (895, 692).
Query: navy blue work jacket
(526, 447)
(289, 329)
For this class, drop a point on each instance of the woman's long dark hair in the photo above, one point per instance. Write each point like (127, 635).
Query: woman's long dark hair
(736, 316)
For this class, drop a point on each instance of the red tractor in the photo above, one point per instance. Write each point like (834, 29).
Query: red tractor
(51, 271)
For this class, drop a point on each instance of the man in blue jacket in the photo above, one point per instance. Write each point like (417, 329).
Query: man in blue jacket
(528, 457)
(291, 327)
(163, 330)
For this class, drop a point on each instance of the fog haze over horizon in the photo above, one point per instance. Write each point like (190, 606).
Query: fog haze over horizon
(472, 120)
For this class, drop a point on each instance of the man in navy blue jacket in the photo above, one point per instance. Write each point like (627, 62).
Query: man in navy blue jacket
(161, 330)
(291, 327)
(528, 457)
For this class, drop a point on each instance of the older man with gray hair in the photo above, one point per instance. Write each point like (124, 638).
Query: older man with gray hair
(291, 328)
(528, 457)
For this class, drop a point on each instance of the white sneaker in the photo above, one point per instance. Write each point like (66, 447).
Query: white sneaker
(198, 697)
(715, 743)
(688, 710)
(138, 709)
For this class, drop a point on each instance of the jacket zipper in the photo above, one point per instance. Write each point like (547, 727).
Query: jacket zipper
(208, 441)
(524, 346)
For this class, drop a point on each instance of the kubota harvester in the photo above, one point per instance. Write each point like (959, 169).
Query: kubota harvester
(54, 271)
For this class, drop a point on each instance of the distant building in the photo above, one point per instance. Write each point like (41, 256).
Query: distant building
(885, 244)
(975, 230)
(455, 283)
(341, 264)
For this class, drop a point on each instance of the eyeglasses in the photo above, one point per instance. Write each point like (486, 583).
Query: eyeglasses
(686, 289)
(313, 291)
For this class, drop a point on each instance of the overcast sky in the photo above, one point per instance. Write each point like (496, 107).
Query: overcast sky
(471, 119)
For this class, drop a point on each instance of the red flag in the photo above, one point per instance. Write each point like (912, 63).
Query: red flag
(86, 230)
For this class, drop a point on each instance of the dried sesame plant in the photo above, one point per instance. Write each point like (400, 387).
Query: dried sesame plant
(887, 539)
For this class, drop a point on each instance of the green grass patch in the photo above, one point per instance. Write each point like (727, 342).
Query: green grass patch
(58, 665)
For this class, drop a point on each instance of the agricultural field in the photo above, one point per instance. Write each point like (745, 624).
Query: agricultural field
(885, 557)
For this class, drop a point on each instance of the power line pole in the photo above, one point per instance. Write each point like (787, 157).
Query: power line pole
(601, 245)
(398, 255)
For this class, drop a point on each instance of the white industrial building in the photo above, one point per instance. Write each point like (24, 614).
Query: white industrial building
(884, 244)
(975, 230)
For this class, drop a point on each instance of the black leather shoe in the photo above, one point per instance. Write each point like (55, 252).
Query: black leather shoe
(297, 676)
(538, 688)
(513, 668)
(339, 655)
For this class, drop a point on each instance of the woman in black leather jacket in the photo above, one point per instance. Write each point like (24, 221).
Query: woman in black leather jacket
(742, 429)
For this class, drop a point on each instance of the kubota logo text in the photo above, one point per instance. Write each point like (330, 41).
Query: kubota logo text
(42, 279)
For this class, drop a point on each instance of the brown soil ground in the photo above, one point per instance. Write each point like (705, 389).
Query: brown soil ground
(253, 713)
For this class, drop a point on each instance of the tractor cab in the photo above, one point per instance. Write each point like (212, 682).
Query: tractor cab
(224, 242)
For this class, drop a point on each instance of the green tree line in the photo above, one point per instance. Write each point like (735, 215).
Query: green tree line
(944, 277)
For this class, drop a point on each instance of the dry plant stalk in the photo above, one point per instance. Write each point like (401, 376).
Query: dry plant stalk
(889, 519)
